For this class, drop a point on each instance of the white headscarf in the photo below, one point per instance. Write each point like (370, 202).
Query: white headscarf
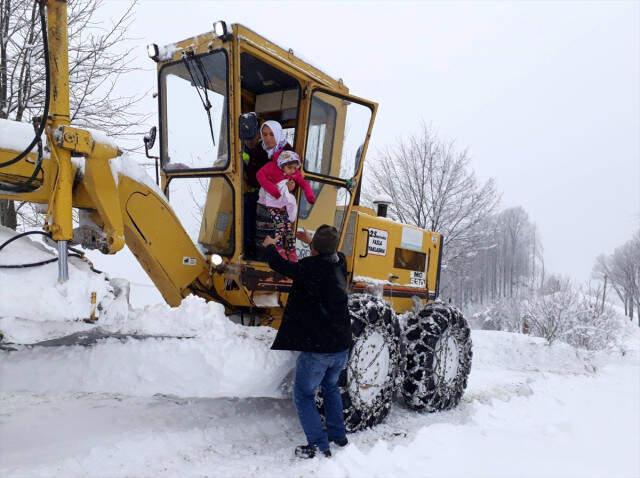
(278, 134)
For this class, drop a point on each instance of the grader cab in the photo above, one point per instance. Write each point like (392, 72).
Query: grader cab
(207, 84)
(190, 236)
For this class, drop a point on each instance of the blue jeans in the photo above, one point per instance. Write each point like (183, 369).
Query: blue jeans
(313, 370)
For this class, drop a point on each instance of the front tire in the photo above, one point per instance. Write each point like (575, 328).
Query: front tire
(368, 383)
(438, 357)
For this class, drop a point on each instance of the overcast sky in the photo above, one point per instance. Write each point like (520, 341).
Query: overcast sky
(544, 95)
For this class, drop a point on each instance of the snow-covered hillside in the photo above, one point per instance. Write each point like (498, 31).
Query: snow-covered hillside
(207, 397)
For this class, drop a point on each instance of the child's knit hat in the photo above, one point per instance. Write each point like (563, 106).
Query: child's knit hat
(288, 157)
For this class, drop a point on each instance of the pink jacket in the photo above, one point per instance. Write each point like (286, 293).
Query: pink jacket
(270, 175)
(286, 200)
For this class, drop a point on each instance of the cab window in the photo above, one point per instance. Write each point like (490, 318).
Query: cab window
(194, 118)
(328, 152)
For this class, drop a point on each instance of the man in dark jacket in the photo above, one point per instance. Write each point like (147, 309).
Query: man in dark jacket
(316, 323)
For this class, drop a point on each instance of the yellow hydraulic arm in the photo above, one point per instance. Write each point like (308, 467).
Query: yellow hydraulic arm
(121, 209)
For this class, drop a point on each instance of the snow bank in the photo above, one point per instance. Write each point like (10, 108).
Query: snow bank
(205, 355)
(569, 427)
(505, 364)
(510, 351)
(34, 292)
(199, 351)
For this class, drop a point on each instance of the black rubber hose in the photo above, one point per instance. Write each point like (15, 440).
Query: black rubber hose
(43, 123)
(22, 234)
(75, 253)
(32, 264)
(26, 186)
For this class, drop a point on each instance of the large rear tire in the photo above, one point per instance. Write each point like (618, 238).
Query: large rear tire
(437, 358)
(369, 381)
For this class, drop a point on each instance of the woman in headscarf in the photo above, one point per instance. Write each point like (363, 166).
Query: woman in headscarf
(273, 139)
(272, 142)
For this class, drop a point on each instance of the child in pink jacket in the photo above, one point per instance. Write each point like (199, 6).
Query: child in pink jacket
(281, 204)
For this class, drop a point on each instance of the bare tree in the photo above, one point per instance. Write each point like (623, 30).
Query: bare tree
(8, 214)
(516, 235)
(622, 269)
(502, 264)
(98, 59)
(433, 187)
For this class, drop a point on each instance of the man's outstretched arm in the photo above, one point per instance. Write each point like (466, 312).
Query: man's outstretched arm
(276, 262)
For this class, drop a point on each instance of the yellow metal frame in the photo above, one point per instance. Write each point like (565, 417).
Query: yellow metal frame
(133, 213)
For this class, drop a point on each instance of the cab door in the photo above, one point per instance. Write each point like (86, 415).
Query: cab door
(337, 134)
(196, 146)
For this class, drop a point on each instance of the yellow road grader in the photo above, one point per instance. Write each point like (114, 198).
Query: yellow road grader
(187, 229)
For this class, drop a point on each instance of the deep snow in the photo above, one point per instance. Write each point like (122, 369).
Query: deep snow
(154, 407)
(35, 293)
(530, 410)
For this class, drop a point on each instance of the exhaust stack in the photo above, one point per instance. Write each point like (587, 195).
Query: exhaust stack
(382, 202)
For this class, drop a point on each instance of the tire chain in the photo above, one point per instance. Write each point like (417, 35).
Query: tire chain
(369, 313)
(422, 389)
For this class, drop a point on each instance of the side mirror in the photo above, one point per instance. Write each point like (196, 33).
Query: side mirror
(248, 126)
(150, 139)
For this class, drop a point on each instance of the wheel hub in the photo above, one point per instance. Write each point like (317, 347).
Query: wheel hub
(368, 367)
(446, 359)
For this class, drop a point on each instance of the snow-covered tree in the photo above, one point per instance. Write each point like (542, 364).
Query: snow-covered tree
(622, 272)
(98, 59)
(575, 316)
(551, 315)
(506, 262)
(503, 314)
(432, 186)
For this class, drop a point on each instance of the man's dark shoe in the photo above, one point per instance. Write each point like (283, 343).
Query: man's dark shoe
(309, 451)
(341, 442)
(305, 451)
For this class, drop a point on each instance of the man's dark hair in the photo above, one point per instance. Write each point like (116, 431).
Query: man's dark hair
(325, 239)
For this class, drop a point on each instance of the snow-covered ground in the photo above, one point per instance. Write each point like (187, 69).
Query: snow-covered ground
(210, 399)
(530, 410)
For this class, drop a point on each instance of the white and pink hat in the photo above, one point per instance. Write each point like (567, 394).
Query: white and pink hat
(288, 157)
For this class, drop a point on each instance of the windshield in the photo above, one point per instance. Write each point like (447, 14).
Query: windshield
(194, 107)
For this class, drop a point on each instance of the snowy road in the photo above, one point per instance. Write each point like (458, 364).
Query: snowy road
(530, 410)
(131, 408)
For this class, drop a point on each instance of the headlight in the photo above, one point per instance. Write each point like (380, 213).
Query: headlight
(220, 29)
(216, 260)
(153, 51)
